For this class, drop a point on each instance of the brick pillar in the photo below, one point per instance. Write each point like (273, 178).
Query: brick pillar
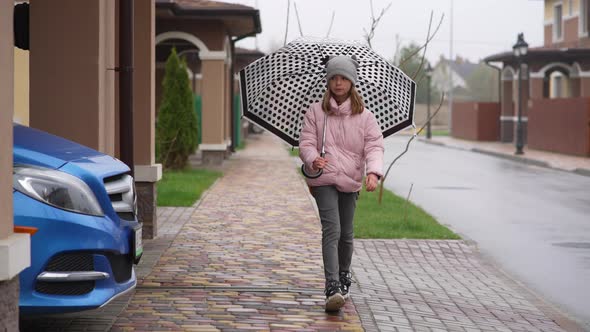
(9, 305)
(214, 145)
(507, 113)
(575, 87)
(146, 206)
(147, 172)
(525, 107)
(585, 87)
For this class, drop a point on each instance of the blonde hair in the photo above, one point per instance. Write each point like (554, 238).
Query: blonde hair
(356, 101)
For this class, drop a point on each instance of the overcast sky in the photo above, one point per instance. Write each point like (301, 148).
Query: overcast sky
(480, 27)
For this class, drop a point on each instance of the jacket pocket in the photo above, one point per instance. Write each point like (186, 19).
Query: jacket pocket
(352, 165)
(355, 140)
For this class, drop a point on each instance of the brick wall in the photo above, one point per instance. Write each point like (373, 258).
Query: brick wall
(560, 125)
(476, 121)
(441, 118)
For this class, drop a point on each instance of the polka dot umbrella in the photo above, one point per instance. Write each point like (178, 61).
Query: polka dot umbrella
(278, 89)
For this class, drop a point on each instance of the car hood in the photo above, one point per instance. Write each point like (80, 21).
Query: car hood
(35, 147)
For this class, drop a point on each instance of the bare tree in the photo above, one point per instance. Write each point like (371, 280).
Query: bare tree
(374, 22)
(298, 20)
(442, 97)
(287, 24)
(331, 22)
(419, 69)
(428, 39)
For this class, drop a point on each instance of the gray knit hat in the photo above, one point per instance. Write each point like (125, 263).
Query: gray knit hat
(342, 65)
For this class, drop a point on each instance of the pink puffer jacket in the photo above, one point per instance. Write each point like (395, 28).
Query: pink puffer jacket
(351, 142)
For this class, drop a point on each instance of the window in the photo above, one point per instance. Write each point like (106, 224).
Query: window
(558, 22)
(584, 17)
(560, 85)
(557, 86)
(570, 8)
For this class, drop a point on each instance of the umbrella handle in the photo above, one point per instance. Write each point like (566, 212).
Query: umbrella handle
(322, 153)
(311, 176)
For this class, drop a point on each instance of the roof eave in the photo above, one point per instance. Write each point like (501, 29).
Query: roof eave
(252, 13)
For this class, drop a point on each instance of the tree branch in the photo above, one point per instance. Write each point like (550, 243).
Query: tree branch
(374, 22)
(287, 24)
(427, 41)
(298, 20)
(425, 48)
(442, 97)
(331, 22)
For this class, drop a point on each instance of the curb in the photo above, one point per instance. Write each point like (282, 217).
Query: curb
(582, 171)
(524, 160)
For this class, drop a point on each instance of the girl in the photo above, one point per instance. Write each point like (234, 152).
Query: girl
(353, 145)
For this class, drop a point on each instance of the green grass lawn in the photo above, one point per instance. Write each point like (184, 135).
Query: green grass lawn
(294, 152)
(395, 218)
(184, 188)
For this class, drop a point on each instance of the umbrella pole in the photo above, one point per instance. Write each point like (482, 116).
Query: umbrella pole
(322, 153)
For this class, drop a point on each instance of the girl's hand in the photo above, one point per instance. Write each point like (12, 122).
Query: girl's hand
(371, 182)
(320, 163)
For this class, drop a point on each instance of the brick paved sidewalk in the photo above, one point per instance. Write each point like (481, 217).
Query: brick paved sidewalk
(249, 258)
(435, 285)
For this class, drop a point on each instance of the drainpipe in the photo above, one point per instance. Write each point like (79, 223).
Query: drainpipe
(232, 47)
(125, 70)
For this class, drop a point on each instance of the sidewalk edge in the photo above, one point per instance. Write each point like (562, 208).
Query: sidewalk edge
(565, 320)
(524, 160)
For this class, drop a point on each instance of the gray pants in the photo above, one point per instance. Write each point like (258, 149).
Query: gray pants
(336, 213)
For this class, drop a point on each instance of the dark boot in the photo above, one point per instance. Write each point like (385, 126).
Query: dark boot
(345, 282)
(334, 298)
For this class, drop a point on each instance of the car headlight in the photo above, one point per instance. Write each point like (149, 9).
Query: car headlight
(56, 188)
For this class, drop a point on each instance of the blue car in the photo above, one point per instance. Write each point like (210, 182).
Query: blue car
(82, 205)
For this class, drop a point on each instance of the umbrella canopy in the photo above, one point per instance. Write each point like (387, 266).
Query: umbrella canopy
(279, 88)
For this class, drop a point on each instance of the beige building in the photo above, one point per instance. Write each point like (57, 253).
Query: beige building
(14, 248)
(68, 85)
(205, 33)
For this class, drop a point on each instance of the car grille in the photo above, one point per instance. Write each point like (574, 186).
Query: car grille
(65, 288)
(68, 262)
(121, 191)
(121, 265)
(71, 262)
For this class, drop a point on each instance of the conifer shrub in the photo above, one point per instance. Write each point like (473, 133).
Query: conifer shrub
(176, 125)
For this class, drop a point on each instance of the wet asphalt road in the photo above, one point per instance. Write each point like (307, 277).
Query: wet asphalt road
(533, 222)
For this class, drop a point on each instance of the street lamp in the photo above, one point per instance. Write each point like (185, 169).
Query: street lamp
(429, 77)
(520, 50)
